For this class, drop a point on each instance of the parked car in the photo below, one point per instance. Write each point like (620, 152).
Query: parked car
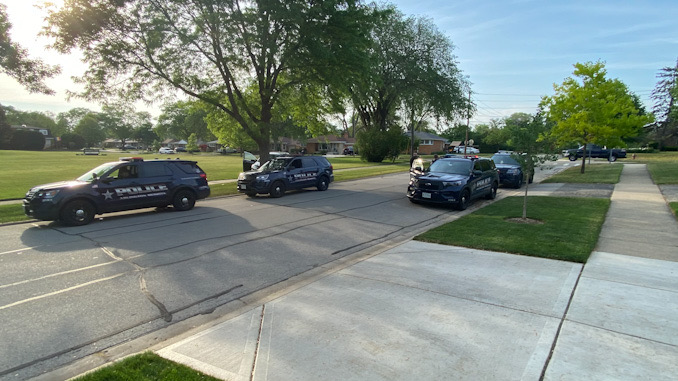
(131, 183)
(165, 150)
(252, 162)
(348, 151)
(469, 150)
(593, 150)
(179, 149)
(454, 181)
(510, 170)
(287, 173)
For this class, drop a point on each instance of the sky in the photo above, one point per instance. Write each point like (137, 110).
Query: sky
(512, 51)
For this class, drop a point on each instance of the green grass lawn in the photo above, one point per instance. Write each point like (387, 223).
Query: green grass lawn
(569, 229)
(664, 172)
(146, 367)
(674, 207)
(594, 174)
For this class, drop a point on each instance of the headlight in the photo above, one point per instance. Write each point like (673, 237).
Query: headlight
(241, 176)
(451, 183)
(48, 194)
(262, 177)
(513, 171)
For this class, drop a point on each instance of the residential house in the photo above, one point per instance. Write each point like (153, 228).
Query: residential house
(429, 143)
(331, 144)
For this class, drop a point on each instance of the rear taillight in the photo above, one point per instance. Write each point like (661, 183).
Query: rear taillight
(204, 176)
(331, 168)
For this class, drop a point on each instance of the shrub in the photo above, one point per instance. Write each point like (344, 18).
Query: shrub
(27, 140)
(374, 145)
(72, 141)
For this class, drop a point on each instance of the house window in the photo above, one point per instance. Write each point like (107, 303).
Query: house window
(426, 143)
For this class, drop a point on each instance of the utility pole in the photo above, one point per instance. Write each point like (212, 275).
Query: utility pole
(468, 120)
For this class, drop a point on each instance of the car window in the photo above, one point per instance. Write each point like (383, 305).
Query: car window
(127, 171)
(295, 164)
(458, 167)
(151, 169)
(504, 159)
(308, 162)
(188, 167)
(485, 165)
(477, 166)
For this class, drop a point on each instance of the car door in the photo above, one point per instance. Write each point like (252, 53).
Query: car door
(294, 172)
(481, 180)
(118, 188)
(155, 181)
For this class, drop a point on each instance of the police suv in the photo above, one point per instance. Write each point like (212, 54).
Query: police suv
(454, 181)
(287, 172)
(130, 183)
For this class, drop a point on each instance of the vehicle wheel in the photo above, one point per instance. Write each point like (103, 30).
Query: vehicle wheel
(573, 158)
(520, 182)
(612, 158)
(277, 189)
(77, 213)
(464, 200)
(184, 200)
(251, 194)
(323, 183)
(493, 192)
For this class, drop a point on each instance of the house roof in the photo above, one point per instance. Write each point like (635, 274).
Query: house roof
(421, 135)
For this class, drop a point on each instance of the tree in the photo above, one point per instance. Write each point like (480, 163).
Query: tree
(14, 61)
(145, 135)
(665, 107)
(90, 130)
(192, 144)
(29, 118)
(66, 121)
(181, 119)
(411, 68)
(214, 50)
(525, 134)
(593, 110)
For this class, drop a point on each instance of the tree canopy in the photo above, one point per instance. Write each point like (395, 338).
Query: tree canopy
(591, 108)
(214, 51)
(14, 61)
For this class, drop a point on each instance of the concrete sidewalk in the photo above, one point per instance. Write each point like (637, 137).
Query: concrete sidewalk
(425, 311)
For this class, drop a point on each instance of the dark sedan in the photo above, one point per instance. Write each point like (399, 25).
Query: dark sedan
(511, 172)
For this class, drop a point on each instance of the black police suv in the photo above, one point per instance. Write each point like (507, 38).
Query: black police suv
(453, 181)
(510, 170)
(130, 183)
(286, 173)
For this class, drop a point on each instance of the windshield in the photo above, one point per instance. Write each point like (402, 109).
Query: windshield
(274, 165)
(504, 159)
(456, 167)
(97, 172)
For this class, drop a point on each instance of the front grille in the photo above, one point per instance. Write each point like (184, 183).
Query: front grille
(430, 185)
(29, 195)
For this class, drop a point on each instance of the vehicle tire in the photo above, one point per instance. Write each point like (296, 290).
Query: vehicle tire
(323, 183)
(572, 157)
(251, 194)
(493, 192)
(612, 158)
(277, 189)
(462, 204)
(77, 213)
(519, 183)
(183, 200)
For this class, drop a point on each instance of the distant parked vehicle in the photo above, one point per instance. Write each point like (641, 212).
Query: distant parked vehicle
(165, 150)
(180, 149)
(593, 150)
(460, 149)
